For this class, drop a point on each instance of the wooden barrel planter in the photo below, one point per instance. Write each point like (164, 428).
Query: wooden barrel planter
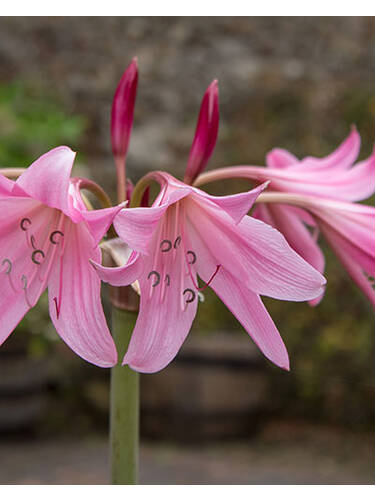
(23, 387)
(216, 388)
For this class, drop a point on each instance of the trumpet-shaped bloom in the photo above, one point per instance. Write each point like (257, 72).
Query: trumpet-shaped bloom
(333, 177)
(195, 234)
(47, 238)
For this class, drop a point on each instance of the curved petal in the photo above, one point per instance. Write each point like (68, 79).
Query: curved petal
(255, 253)
(6, 185)
(136, 226)
(280, 158)
(74, 299)
(351, 262)
(251, 313)
(20, 288)
(168, 306)
(47, 179)
(342, 158)
(122, 275)
(99, 221)
(235, 205)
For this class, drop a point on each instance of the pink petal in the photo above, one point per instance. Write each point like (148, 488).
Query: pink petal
(99, 221)
(280, 158)
(47, 179)
(251, 313)
(136, 226)
(352, 263)
(235, 205)
(123, 110)
(16, 266)
(164, 318)
(74, 300)
(122, 275)
(6, 186)
(205, 133)
(342, 158)
(255, 253)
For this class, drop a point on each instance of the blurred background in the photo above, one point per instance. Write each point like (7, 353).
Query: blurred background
(220, 413)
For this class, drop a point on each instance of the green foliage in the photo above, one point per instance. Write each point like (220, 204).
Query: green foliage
(32, 121)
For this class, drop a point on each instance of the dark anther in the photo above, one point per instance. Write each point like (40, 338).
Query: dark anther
(167, 279)
(191, 294)
(157, 280)
(52, 236)
(193, 257)
(177, 242)
(34, 256)
(24, 282)
(25, 223)
(32, 241)
(7, 261)
(165, 245)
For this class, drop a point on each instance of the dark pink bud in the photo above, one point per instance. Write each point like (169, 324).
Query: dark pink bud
(205, 133)
(123, 110)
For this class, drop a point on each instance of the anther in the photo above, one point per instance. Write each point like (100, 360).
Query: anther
(165, 245)
(191, 295)
(177, 242)
(157, 280)
(32, 241)
(193, 257)
(34, 256)
(24, 282)
(25, 223)
(10, 265)
(52, 237)
(57, 307)
(167, 279)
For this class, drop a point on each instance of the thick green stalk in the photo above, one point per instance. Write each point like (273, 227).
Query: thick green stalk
(124, 411)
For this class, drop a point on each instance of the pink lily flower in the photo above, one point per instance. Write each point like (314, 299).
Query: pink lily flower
(331, 177)
(239, 257)
(47, 237)
(350, 230)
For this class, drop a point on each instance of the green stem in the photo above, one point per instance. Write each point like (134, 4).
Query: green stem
(124, 412)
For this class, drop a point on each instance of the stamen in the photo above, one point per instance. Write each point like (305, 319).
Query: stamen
(24, 287)
(191, 295)
(193, 257)
(25, 223)
(177, 242)
(34, 256)
(154, 273)
(53, 235)
(10, 265)
(57, 307)
(24, 282)
(165, 245)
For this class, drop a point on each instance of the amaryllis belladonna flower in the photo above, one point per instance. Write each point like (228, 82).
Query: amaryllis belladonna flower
(350, 230)
(334, 177)
(47, 237)
(239, 257)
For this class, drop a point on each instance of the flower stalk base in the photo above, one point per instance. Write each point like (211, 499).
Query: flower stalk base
(124, 406)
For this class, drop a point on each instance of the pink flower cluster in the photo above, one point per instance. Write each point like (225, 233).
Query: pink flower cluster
(184, 242)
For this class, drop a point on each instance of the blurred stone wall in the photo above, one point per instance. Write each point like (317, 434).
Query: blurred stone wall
(292, 82)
